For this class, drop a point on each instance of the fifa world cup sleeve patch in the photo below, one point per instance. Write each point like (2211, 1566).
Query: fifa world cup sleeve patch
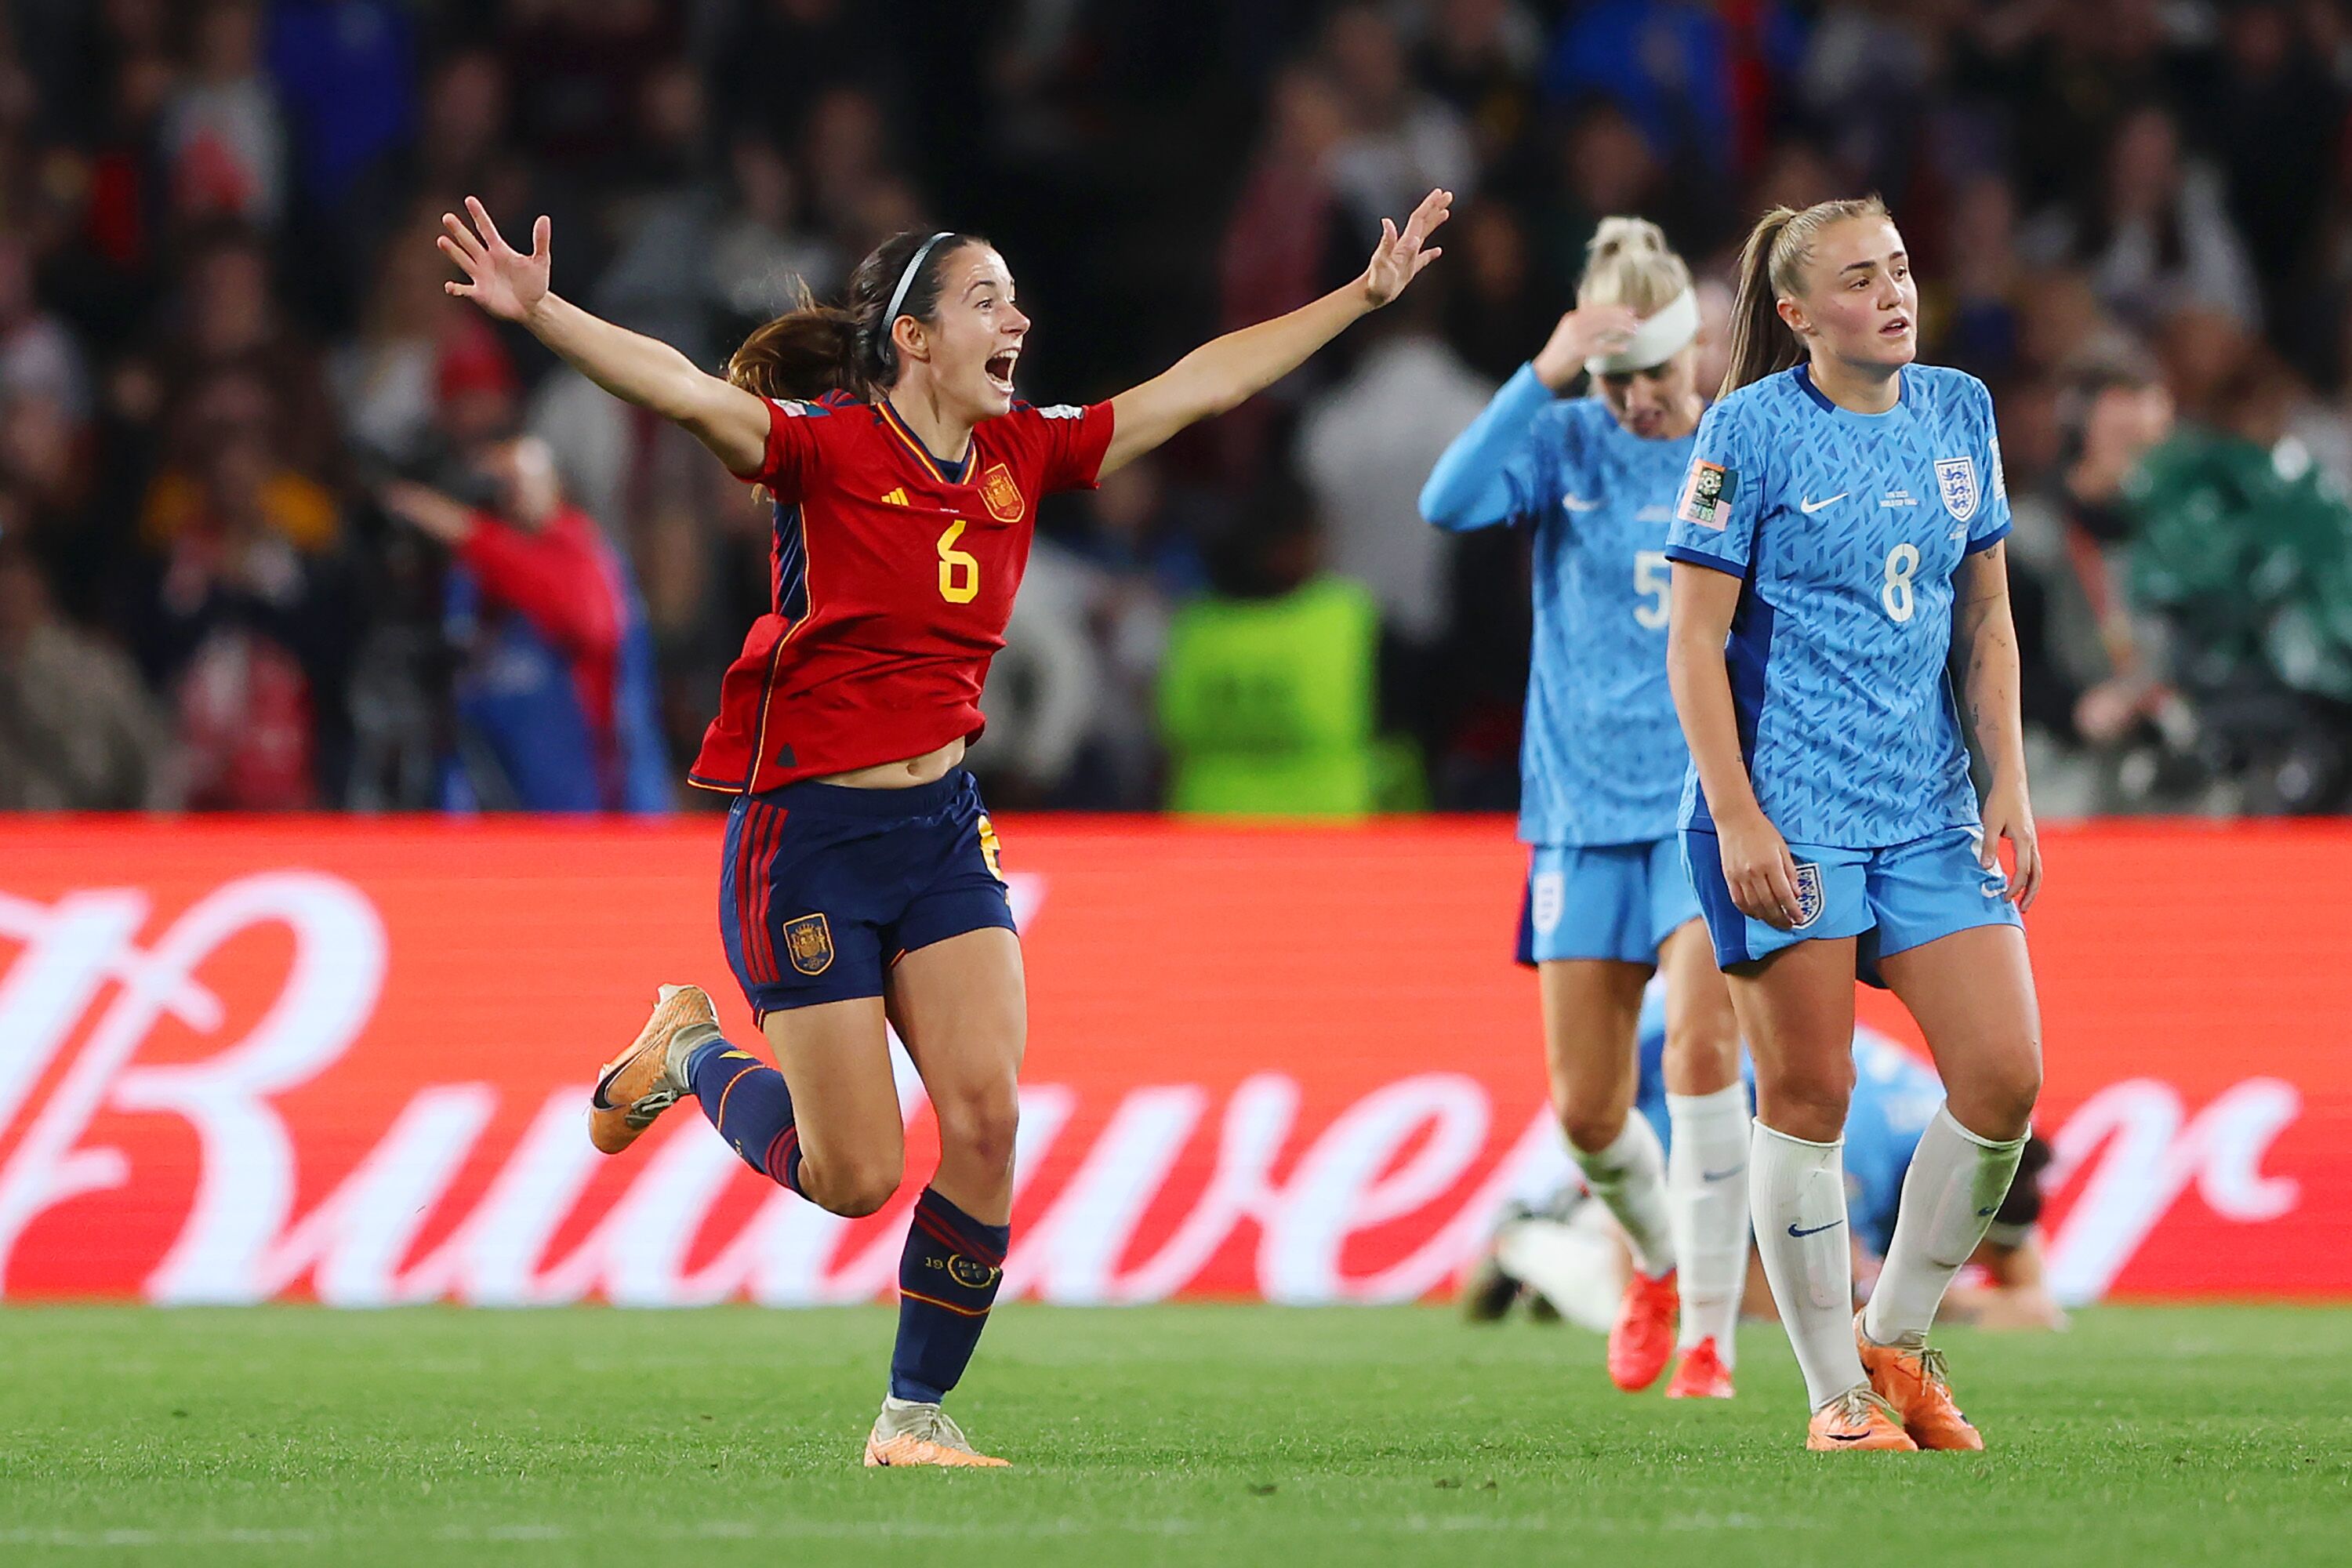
(809, 940)
(1706, 495)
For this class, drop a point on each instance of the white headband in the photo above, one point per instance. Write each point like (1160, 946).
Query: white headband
(1657, 340)
(898, 295)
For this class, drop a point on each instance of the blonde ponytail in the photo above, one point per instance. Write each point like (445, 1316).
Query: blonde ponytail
(1628, 262)
(1771, 269)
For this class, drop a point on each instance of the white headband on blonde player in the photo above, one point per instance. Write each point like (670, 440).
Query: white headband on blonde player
(1658, 339)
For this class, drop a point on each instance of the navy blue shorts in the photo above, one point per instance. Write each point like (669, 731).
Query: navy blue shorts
(823, 887)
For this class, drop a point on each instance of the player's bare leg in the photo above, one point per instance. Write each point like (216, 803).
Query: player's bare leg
(1706, 1165)
(961, 1008)
(1592, 1013)
(1796, 1011)
(1972, 995)
(851, 1136)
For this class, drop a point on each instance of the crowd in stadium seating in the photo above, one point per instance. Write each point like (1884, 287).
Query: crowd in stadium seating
(227, 370)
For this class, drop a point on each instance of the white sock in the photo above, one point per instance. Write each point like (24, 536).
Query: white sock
(1629, 1177)
(1797, 1192)
(1956, 1183)
(1706, 1206)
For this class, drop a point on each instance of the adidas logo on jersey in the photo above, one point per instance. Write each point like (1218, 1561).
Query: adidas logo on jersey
(896, 498)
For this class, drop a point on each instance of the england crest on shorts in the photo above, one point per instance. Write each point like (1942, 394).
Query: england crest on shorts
(1809, 893)
(1955, 481)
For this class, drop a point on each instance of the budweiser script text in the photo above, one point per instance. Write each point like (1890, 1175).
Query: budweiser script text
(459, 1192)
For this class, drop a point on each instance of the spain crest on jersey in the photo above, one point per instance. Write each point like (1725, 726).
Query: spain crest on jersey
(1000, 495)
(1809, 893)
(808, 940)
(1955, 481)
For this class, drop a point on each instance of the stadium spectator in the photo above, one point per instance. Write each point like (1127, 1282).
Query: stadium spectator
(76, 730)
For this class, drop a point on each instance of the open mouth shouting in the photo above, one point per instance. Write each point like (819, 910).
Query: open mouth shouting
(999, 370)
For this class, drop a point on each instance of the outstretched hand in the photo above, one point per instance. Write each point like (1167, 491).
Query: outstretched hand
(499, 278)
(1398, 259)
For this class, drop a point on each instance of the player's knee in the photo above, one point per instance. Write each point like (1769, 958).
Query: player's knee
(1807, 1103)
(859, 1187)
(1996, 1101)
(981, 1126)
(1705, 1049)
(1591, 1128)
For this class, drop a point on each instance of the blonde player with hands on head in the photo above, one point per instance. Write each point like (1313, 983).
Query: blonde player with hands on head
(1602, 761)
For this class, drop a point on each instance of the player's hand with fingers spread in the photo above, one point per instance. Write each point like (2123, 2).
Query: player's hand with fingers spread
(1398, 259)
(2008, 814)
(1581, 335)
(499, 278)
(1759, 869)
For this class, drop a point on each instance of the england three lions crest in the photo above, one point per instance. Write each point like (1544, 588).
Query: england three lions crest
(1955, 481)
(1810, 901)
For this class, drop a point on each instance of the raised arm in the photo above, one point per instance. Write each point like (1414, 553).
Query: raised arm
(1475, 484)
(731, 422)
(1230, 370)
(1984, 630)
(1757, 866)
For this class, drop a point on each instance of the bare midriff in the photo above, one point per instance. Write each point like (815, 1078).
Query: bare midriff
(930, 767)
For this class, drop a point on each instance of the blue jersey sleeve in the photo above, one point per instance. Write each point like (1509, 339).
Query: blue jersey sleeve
(1990, 526)
(1494, 470)
(1715, 521)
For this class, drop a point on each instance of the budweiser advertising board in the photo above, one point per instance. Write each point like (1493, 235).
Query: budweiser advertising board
(347, 1060)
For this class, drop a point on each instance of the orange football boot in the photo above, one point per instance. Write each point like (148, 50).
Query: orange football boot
(1700, 1374)
(649, 1077)
(1643, 1335)
(907, 1433)
(1858, 1419)
(1913, 1382)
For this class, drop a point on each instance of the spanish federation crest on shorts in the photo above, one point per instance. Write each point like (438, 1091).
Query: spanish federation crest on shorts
(1955, 481)
(1809, 893)
(808, 940)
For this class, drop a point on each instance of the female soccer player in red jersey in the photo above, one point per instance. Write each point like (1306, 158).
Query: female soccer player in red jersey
(859, 881)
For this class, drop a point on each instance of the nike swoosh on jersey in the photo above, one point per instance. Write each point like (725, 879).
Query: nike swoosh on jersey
(1816, 1230)
(1809, 506)
(1986, 1214)
(1721, 1176)
(1575, 502)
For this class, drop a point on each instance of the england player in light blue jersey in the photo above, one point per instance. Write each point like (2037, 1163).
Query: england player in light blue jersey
(1839, 540)
(1601, 763)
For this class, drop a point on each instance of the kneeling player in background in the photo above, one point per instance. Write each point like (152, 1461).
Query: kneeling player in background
(1560, 1255)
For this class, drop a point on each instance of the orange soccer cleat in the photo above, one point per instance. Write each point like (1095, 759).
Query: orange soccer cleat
(1643, 1335)
(907, 1433)
(1913, 1382)
(1858, 1419)
(1700, 1374)
(648, 1077)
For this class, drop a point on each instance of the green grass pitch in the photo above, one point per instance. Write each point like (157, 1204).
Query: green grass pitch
(1183, 1435)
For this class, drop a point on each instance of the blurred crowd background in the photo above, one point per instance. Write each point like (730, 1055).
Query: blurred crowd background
(282, 526)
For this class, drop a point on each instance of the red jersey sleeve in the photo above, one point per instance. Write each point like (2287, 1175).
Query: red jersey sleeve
(1066, 442)
(792, 447)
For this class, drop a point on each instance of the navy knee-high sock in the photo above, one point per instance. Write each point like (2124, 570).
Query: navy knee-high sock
(746, 1099)
(947, 1281)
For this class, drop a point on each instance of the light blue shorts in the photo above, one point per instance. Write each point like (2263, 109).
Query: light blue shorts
(1894, 900)
(1608, 900)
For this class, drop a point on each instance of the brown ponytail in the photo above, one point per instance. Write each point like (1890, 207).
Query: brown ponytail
(1771, 269)
(815, 349)
(798, 357)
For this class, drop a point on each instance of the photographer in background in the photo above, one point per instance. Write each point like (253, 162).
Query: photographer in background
(553, 698)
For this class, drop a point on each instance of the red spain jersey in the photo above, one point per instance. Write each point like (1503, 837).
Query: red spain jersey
(892, 575)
